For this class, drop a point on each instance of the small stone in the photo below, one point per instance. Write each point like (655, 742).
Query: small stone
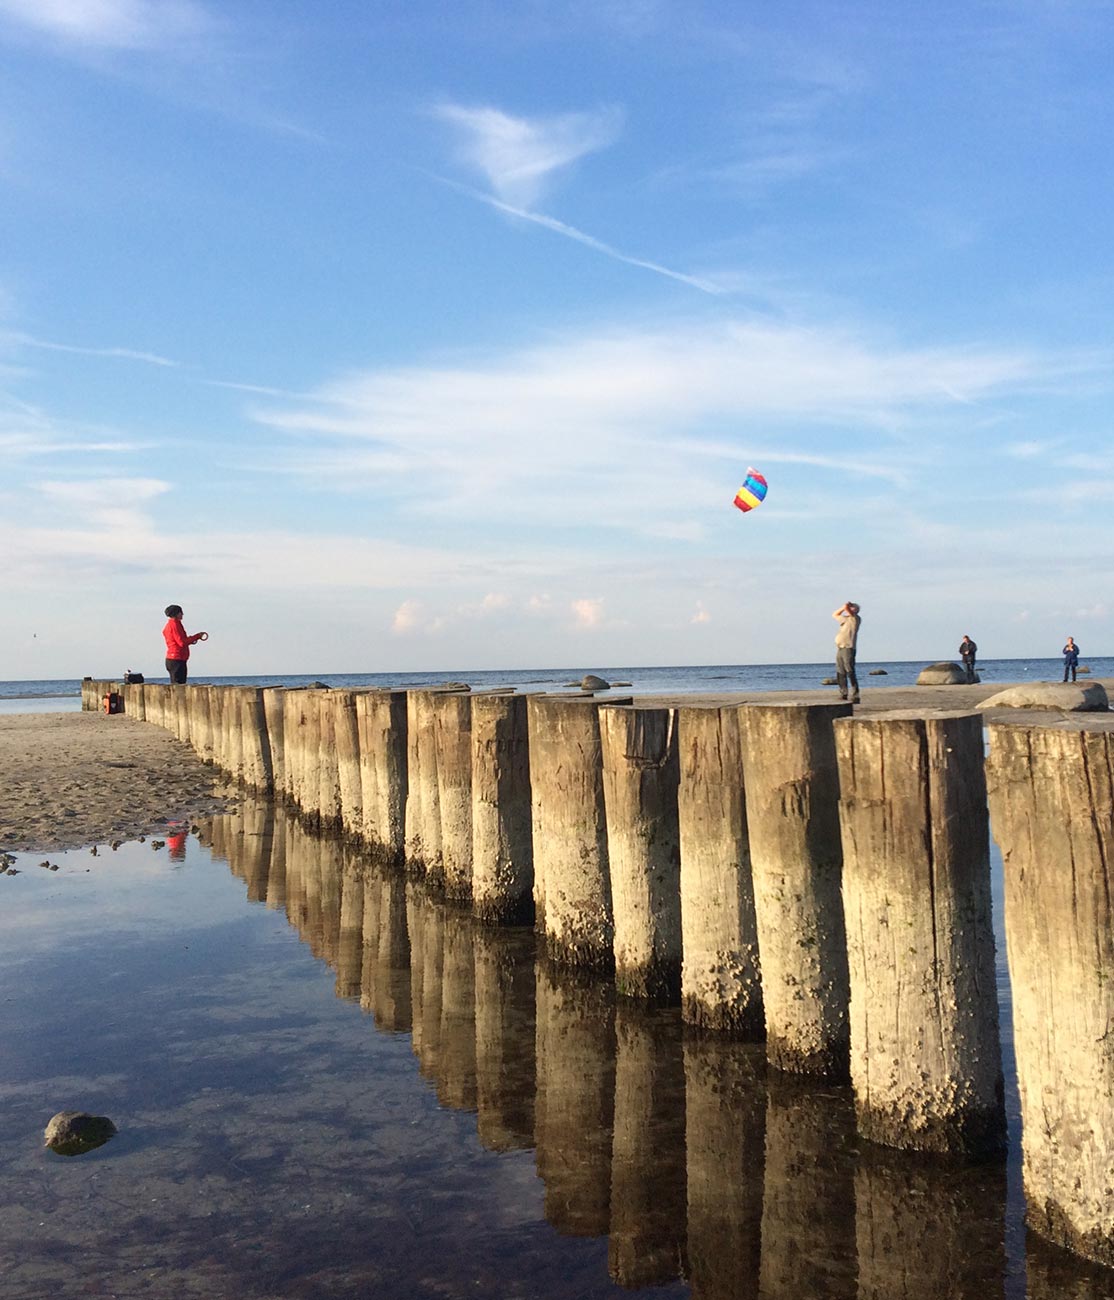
(73, 1132)
(158, 844)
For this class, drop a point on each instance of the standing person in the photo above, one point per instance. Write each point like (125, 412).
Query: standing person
(1071, 659)
(178, 644)
(967, 649)
(846, 642)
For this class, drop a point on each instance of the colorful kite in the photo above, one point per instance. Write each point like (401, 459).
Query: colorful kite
(753, 491)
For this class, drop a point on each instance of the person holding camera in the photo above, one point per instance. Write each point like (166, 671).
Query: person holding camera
(846, 645)
(178, 643)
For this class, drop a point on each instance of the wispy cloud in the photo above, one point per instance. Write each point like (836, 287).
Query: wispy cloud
(588, 611)
(12, 338)
(519, 155)
(110, 24)
(590, 241)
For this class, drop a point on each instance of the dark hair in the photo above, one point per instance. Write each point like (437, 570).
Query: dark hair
(173, 611)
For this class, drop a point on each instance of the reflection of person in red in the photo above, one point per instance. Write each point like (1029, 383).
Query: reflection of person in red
(176, 845)
(178, 643)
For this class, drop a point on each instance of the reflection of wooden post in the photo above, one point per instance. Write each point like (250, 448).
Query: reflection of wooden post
(505, 1035)
(646, 1244)
(369, 940)
(725, 1125)
(808, 1230)
(433, 965)
(925, 1057)
(256, 827)
(1052, 807)
(392, 970)
(640, 773)
(456, 1084)
(575, 1101)
(330, 859)
(351, 937)
(570, 832)
(502, 845)
(789, 765)
(929, 1231)
(276, 873)
(381, 723)
(721, 976)
(415, 928)
(452, 721)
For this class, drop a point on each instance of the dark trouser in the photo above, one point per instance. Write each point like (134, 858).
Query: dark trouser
(969, 665)
(845, 674)
(177, 670)
(1069, 668)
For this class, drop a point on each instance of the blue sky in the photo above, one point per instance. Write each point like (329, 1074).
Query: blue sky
(391, 337)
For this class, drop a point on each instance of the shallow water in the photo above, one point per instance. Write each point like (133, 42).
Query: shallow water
(329, 1084)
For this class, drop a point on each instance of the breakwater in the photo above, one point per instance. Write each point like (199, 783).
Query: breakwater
(792, 874)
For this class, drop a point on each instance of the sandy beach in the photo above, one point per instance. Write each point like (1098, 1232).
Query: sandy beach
(68, 780)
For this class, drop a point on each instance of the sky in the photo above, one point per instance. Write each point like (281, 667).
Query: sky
(439, 335)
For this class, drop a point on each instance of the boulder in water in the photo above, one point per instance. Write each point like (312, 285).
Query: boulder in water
(878, 672)
(594, 683)
(829, 681)
(942, 674)
(73, 1132)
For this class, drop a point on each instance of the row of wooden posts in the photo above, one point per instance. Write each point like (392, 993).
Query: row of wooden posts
(791, 872)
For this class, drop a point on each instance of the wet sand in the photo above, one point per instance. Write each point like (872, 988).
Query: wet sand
(68, 780)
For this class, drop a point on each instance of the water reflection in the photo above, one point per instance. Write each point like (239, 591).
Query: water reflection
(679, 1148)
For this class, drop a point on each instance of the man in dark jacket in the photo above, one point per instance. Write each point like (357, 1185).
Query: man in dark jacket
(967, 650)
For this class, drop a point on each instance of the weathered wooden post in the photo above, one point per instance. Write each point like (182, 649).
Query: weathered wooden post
(232, 734)
(381, 723)
(327, 761)
(789, 766)
(502, 842)
(346, 738)
(201, 725)
(452, 723)
(725, 1135)
(573, 885)
(646, 1241)
(274, 698)
(256, 750)
(721, 978)
(423, 806)
(133, 701)
(926, 1061)
(640, 774)
(505, 1035)
(1052, 809)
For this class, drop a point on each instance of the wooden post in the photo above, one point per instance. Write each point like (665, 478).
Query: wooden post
(274, 698)
(346, 739)
(925, 1057)
(570, 831)
(502, 843)
(452, 722)
(789, 766)
(721, 979)
(1052, 809)
(255, 746)
(381, 722)
(640, 774)
(423, 806)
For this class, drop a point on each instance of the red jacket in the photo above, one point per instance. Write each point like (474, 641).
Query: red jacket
(177, 642)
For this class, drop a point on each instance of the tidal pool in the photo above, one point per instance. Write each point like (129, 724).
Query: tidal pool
(329, 1084)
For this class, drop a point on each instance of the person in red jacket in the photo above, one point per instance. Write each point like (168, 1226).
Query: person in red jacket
(178, 644)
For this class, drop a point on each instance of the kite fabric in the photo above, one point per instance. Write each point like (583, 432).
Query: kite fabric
(753, 491)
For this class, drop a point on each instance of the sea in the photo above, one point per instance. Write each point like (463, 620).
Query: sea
(64, 694)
